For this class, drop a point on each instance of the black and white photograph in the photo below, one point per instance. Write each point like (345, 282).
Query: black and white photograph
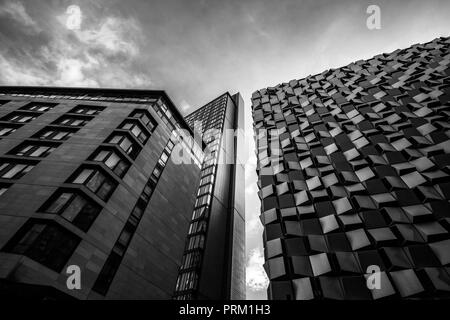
(221, 156)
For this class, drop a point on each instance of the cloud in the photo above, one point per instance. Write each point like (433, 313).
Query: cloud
(16, 11)
(184, 106)
(256, 277)
(71, 73)
(104, 52)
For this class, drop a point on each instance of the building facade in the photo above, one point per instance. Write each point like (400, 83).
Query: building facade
(87, 180)
(214, 259)
(354, 177)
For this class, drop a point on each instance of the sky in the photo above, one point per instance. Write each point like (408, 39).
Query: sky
(196, 50)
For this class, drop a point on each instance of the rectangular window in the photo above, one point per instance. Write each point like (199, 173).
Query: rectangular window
(207, 179)
(3, 188)
(9, 170)
(96, 181)
(191, 260)
(106, 276)
(74, 207)
(32, 149)
(112, 160)
(72, 121)
(145, 117)
(20, 117)
(206, 189)
(57, 134)
(125, 144)
(87, 110)
(163, 159)
(202, 200)
(38, 106)
(136, 130)
(45, 242)
(6, 130)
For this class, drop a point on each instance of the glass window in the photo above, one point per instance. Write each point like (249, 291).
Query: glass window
(125, 144)
(33, 150)
(74, 207)
(71, 121)
(6, 130)
(107, 274)
(48, 244)
(164, 157)
(14, 170)
(3, 188)
(96, 181)
(54, 134)
(87, 110)
(145, 117)
(135, 129)
(20, 117)
(60, 202)
(38, 106)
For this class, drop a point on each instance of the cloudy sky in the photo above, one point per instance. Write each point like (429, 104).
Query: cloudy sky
(198, 49)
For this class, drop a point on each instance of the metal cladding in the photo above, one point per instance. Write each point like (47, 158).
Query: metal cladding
(354, 177)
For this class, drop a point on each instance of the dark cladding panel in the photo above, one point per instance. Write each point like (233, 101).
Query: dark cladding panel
(354, 172)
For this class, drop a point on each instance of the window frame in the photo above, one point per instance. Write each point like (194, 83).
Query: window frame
(82, 219)
(95, 180)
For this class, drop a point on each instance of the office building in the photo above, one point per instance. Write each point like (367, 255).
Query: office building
(214, 260)
(87, 179)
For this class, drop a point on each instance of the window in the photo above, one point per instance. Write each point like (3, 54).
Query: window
(9, 170)
(72, 121)
(145, 117)
(125, 144)
(187, 281)
(87, 110)
(106, 276)
(163, 159)
(38, 106)
(196, 242)
(190, 260)
(202, 200)
(45, 242)
(3, 188)
(112, 160)
(3, 102)
(124, 239)
(205, 189)
(207, 179)
(74, 207)
(6, 130)
(54, 134)
(136, 130)
(32, 149)
(95, 181)
(20, 117)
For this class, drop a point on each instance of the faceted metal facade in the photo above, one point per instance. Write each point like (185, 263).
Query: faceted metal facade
(354, 172)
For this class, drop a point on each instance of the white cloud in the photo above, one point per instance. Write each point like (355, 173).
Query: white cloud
(184, 106)
(256, 277)
(104, 53)
(71, 73)
(115, 35)
(20, 74)
(16, 10)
